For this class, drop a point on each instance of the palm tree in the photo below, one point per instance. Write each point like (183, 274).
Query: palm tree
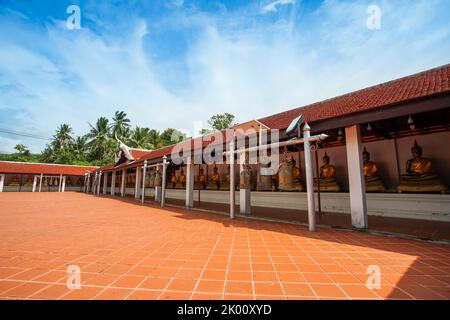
(140, 138)
(99, 136)
(79, 147)
(63, 137)
(120, 124)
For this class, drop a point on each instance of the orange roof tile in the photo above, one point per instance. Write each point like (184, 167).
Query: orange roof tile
(424, 84)
(45, 168)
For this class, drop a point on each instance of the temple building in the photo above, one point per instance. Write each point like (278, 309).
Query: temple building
(41, 177)
(385, 155)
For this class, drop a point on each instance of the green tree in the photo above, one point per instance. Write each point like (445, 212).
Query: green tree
(120, 125)
(22, 150)
(99, 138)
(170, 136)
(219, 122)
(63, 137)
(140, 138)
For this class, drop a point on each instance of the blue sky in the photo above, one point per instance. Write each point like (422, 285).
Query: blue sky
(174, 63)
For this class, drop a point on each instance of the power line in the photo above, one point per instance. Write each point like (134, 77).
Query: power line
(23, 134)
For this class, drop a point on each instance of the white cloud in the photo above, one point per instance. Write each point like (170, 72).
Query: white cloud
(272, 7)
(252, 71)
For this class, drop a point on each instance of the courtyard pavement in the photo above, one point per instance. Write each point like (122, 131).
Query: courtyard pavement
(126, 250)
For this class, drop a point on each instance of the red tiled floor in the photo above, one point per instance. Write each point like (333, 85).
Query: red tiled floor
(126, 250)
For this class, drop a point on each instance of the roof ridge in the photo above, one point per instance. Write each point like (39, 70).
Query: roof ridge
(50, 164)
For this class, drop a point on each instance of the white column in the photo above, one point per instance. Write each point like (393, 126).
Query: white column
(63, 187)
(189, 183)
(105, 182)
(144, 174)
(309, 179)
(358, 206)
(2, 182)
(137, 183)
(244, 194)
(163, 190)
(122, 187)
(99, 182)
(232, 184)
(158, 191)
(113, 183)
(40, 182)
(94, 184)
(60, 183)
(34, 183)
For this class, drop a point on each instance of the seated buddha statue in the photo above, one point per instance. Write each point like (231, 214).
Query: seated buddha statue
(297, 177)
(14, 182)
(151, 180)
(173, 181)
(158, 178)
(214, 181)
(225, 183)
(286, 181)
(327, 178)
(29, 182)
(245, 181)
(181, 183)
(265, 180)
(371, 174)
(419, 175)
(201, 179)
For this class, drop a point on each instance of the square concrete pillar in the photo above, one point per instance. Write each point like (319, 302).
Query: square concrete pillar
(40, 182)
(137, 184)
(34, 183)
(88, 184)
(113, 183)
(189, 183)
(2, 182)
(99, 182)
(122, 187)
(105, 182)
(358, 206)
(158, 194)
(60, 183)
(63, 185)
(244, 201)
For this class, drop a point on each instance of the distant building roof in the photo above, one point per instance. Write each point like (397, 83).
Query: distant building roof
(45, 168)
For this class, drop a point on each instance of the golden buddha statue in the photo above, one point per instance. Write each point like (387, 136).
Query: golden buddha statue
(181, 183)
(201, 179)
(173, 181)
(297, 177)
(14, 182)
(286, 174)
(151, 180)
(158, 178)
(214, 181)
(371, 174)
(419, 175)
(225, 183)
(245, 181)
(29, 182)
(265, 181)
(327, 178)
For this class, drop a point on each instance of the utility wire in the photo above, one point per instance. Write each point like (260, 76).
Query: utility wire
(23, 134)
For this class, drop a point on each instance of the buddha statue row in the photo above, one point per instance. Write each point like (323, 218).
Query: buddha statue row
(419, 177)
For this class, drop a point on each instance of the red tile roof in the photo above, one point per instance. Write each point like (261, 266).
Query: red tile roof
(424, 84)
(45, 168)
(419, 85)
